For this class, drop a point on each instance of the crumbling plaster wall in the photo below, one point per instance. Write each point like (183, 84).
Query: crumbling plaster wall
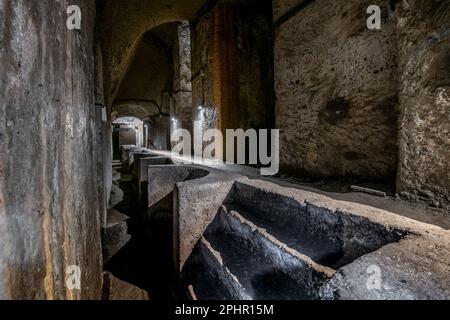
(351, 101)
(49, 194)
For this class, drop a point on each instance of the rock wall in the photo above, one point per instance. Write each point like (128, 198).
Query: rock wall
(122, 24)
(424, 48)
(336, 88)
(182, 84)
(49, 194)
(104, 154)
(357, 102)
(159, 133)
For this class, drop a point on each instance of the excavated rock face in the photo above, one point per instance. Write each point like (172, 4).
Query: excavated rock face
(232, 66)
(149, 75)
(49, 195)
(336, 86)
(270, 242)
(122, 25)
(424, 48)
(353, 101)
(116, 289)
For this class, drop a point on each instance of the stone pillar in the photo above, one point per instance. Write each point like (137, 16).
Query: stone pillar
(182, 103)
(424, 50)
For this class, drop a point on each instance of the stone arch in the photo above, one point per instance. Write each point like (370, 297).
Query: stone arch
(122, 26)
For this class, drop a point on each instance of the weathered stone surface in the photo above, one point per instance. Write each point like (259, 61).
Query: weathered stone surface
(135, 155)
(142, 174)
(339, 89)
(123, 23)
(162, 180)
(232, 72)
(282, 7)
(336, 86)
(424, 47)
(209, 277)
(415, 269)
(294, 276)
(196, 203)
(154, 161)
(126, 150)
(116, 176)
(140, 94)
(282, 236)
(182, 85)
(116, 289)
(116, 196)
(159, 133)
(49, 194)
(115, 236)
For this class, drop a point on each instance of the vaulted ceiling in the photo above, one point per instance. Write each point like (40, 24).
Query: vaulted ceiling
(123, 23)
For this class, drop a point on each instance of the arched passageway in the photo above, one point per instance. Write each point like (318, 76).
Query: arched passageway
(88, 183)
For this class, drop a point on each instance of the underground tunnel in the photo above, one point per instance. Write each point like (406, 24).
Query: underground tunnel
(136, 139)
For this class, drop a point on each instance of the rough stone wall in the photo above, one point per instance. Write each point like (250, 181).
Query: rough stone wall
(336, 88)
(232, 67)
(424, 47)
(49, 197)
(159, 133)
(255, 64)
(201, 52)
(182, 85)
(122, 25)
(149, 75)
